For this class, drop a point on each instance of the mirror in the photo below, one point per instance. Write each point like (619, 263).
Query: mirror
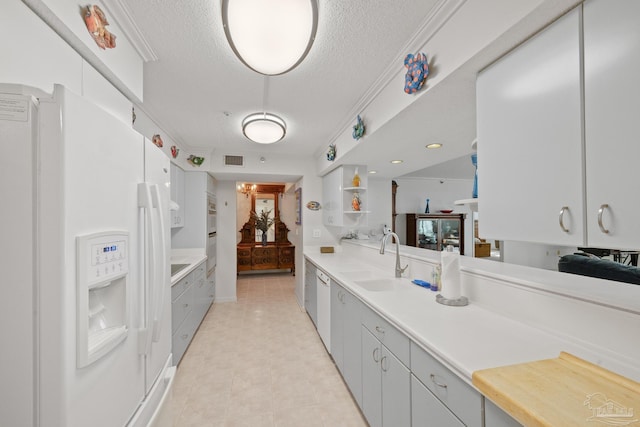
(266, 199)
(265, 203)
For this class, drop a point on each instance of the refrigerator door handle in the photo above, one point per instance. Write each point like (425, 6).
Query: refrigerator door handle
(159, 266)
(145, 201)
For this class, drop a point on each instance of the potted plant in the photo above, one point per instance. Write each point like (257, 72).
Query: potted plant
(263, 222)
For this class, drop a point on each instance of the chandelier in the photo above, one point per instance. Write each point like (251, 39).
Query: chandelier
(246, 189)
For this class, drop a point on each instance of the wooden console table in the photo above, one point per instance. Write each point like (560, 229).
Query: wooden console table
(270, 257)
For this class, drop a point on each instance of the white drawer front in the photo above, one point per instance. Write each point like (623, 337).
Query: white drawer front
(181, 286)
(181, 307)
(464, 401)
(392, 338)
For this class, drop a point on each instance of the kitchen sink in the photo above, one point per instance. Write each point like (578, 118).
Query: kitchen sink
(359, 275)
(176, 268)
(381, 285)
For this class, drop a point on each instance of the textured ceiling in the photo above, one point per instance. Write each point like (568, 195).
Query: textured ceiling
(199, 92)
(197, 78)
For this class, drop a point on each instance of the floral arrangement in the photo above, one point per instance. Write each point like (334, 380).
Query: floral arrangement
(263, 222)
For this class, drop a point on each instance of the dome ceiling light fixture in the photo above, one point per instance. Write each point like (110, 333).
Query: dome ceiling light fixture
(264, 128)
(270, 37)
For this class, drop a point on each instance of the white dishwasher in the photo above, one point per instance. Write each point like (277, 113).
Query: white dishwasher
(324, 308)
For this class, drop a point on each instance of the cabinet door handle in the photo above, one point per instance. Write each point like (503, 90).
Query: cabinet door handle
(379, 329)
(561, 218)
(382, 363)
(185, 305)
(375, 359)
(600, 212)
(433, 379)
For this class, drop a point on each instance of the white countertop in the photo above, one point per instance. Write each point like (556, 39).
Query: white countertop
(465, 339)
(193, 257)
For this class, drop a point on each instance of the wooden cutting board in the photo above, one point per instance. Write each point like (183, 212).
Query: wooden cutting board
(566, 391)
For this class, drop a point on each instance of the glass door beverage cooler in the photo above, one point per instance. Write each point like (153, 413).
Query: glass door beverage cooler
(436, 231)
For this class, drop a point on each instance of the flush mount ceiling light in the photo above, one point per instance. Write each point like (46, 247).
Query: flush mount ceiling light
(264, 128)
(396, 162)
(270, 37)
(434, 145)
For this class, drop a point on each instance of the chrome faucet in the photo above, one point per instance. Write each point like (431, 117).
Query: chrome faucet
(399, 270)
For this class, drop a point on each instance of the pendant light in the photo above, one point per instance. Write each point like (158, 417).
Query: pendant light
(270, 37)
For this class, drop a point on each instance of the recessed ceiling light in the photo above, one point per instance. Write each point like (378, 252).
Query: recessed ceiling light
(373, 171)
(395, 162)
(434, 145)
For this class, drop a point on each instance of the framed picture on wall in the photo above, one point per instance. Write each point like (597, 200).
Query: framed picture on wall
(299, 205)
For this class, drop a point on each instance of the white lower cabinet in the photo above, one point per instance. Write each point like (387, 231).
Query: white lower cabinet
(201, 301)
(337, 325)
(191, 298)
(394, 381)
(459, 397)
(427, 410)
(346, 348)
(386, 386)
(310, 292)
(496, 417)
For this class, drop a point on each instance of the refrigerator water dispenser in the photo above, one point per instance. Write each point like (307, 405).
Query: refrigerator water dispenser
(102, 274)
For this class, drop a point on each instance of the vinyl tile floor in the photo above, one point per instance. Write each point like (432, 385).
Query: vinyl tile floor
(260, 362)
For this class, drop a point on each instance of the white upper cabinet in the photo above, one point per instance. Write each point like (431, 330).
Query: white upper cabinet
(530, 139)
(612, 121)
(558, 132)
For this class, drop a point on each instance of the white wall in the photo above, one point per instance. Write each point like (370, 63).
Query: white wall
(33, 54)
(379, 199)
(301, 170)
(243, 210)
(226, 254)
(534, 254)
(124, 63)
(412, 193)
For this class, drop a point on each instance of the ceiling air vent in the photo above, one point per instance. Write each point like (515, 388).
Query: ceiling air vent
(233, 160)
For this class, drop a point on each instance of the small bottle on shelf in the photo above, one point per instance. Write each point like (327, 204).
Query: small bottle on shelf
(356, 179)
(355, 202)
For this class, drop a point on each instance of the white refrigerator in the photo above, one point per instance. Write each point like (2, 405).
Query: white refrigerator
(85, 308)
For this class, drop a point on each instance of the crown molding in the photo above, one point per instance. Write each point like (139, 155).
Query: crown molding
(436, 19)
(122, 15)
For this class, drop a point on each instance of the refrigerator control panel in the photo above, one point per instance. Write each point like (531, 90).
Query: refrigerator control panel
(102, 307)
(105, 256)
